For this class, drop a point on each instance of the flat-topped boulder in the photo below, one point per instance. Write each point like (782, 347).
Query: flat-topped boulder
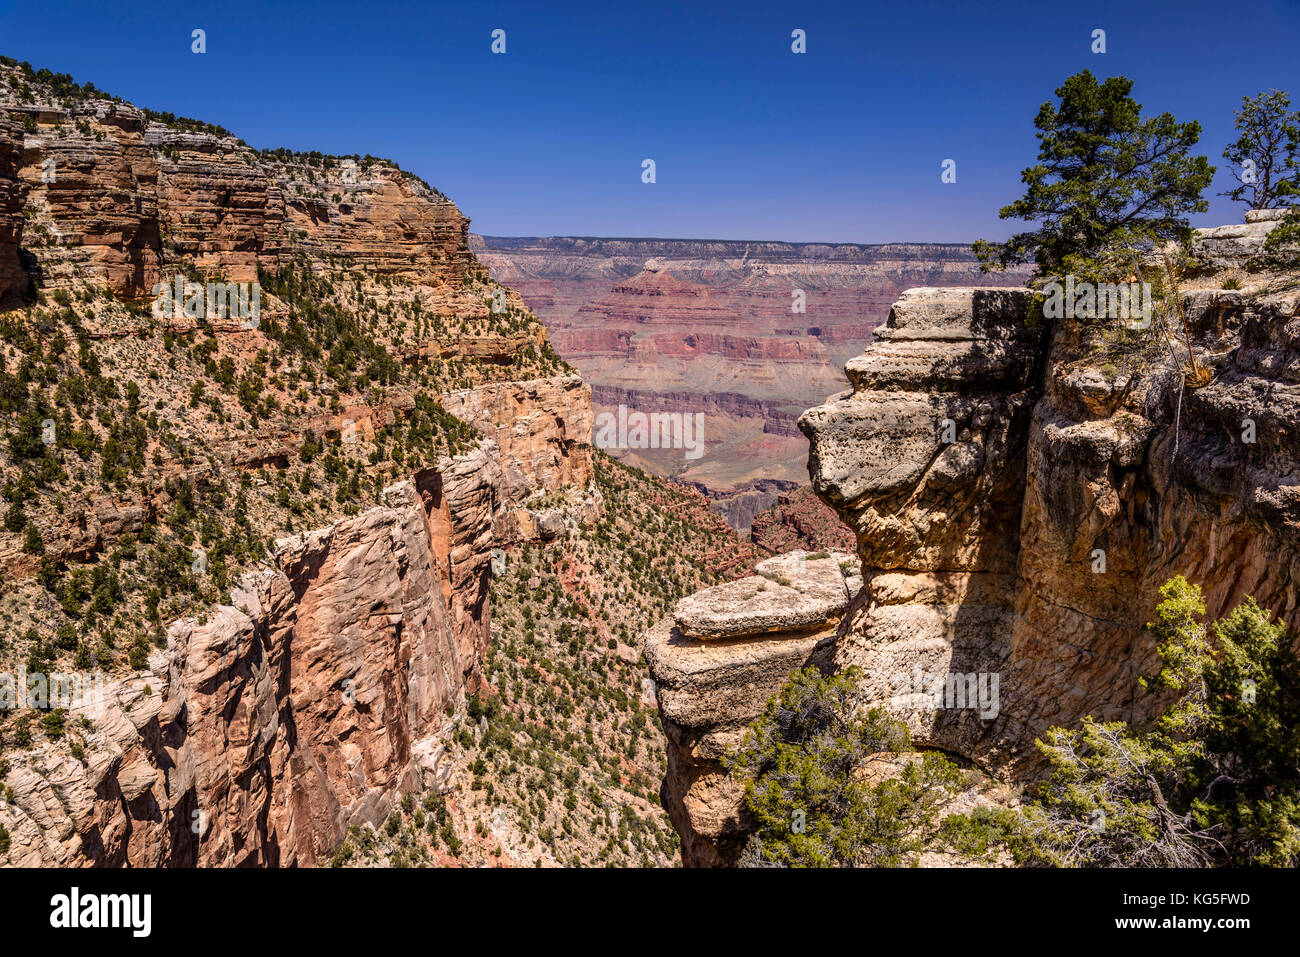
(716, 663)
(1236, 244)
(795, 592)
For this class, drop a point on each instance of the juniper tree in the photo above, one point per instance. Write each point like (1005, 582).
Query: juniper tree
(803, 764)
(1109, 181)
(1215, 781)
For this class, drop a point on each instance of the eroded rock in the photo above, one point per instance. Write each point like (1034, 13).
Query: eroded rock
(788, 593)
(710, 690)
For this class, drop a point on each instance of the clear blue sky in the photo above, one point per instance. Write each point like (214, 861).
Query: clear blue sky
(843, 143)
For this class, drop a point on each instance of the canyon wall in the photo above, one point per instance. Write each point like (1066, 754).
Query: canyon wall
(541, 430)
(747, 333)
(12, 278)
(1019, 491)
(263, 729)
(311, 703)
(800, 520)
(1033, 546)
(113, 194)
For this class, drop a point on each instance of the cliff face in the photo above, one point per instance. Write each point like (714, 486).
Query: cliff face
(113, 195)
(747, 333)
(12, 277)
(311, 703)
(925, 461)
(542, 434)
(1033, 546)
(1017, 500)
(262, 698)
(715, 663)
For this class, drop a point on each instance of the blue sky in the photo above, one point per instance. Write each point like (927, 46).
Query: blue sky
(751, 141)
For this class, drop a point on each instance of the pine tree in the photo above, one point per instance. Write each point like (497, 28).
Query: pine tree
(1109, 181)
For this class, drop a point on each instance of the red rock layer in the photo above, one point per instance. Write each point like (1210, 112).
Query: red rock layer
(112, 194)
(311, 703)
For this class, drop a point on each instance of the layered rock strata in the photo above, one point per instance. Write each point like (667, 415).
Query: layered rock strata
(1031, 549)
(715, 664)
(925, 460)
(309, 704)
(541, 429)
(748, 334)
(1018, 496)
(12, 277)
(114, 194)
(1236, 245)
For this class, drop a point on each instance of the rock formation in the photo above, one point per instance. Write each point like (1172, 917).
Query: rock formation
(1032, 547)
(12, 277)
(115, 193)
(715, 663)
(542, 430)
(309, 704)
(1017, 500)
(1234, 245)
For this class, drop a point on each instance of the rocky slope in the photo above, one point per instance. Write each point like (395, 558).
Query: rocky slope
(713, 327)
(13, 280)
(270, 535)
(315, 699)
(560, 762)
(800, 520)
(1018, 492)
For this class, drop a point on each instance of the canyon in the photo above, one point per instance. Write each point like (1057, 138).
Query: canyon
(365, 593)
(748, 333)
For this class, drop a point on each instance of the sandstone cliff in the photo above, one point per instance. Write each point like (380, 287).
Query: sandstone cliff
(1019, 491)
(113, 195)
(309, 704)
(272, 537)
(542, 433)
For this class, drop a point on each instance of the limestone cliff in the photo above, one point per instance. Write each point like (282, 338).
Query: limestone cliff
(1019, 491)
(1033, 545)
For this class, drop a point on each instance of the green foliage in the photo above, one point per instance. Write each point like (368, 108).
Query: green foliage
(1108, 182)
(805, 763)
(1265, 158)
(1282, 247)
(1216, 781)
